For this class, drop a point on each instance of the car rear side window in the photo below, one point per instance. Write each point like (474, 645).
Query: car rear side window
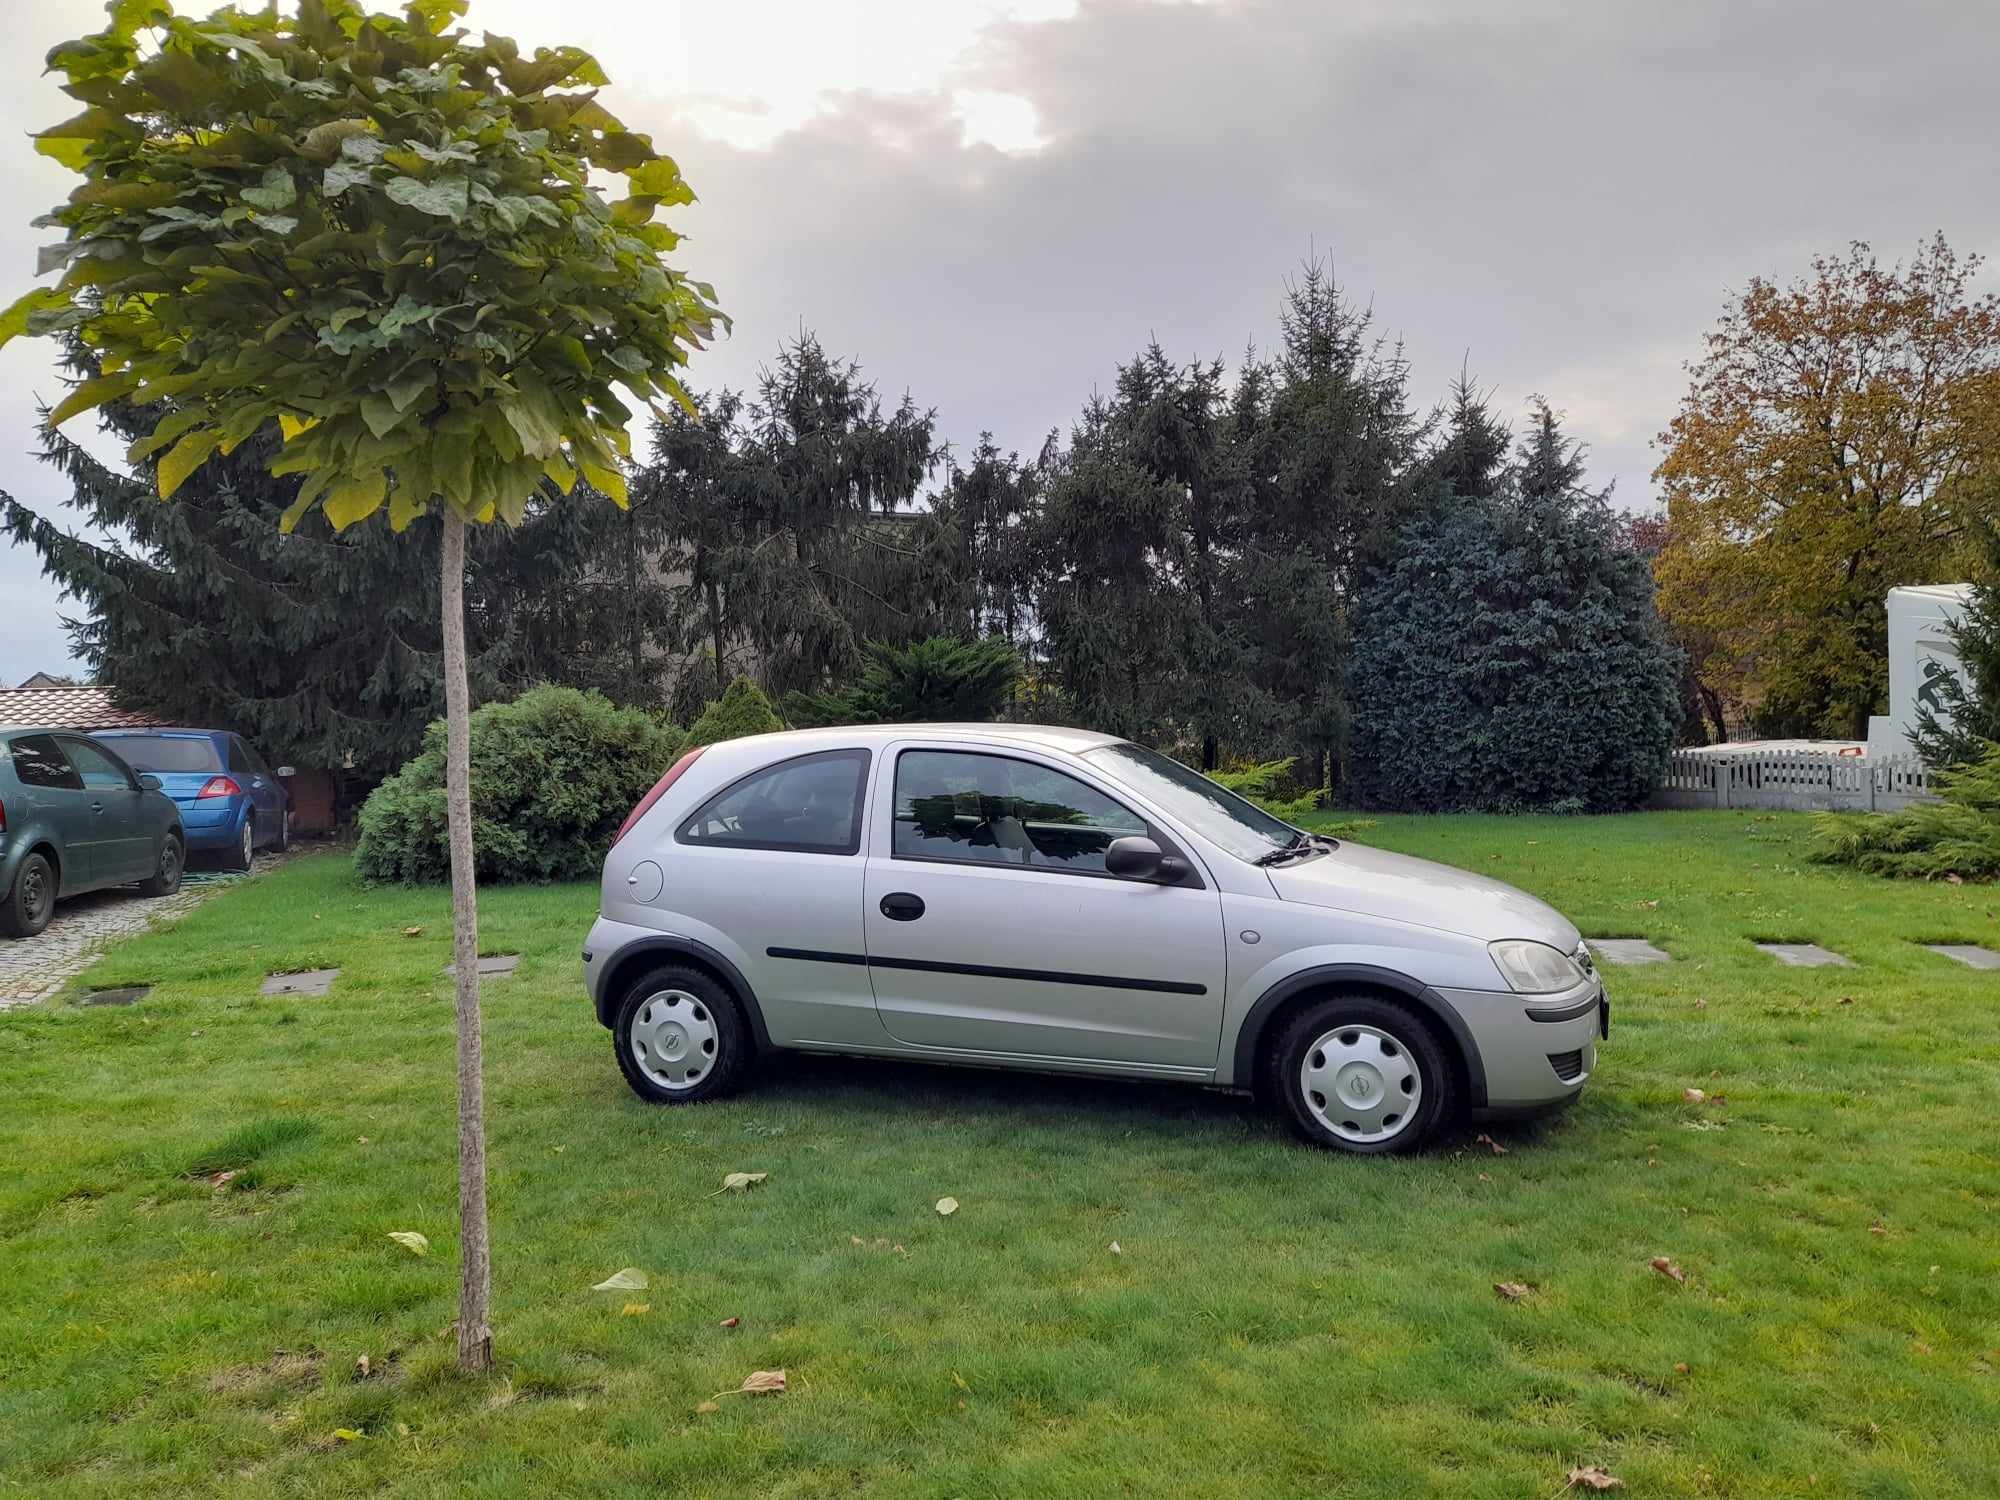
(808, 805)
(992, 809)
(39, 761)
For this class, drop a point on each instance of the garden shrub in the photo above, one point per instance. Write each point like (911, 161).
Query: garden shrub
(1957, 836)
(1508, 656)
(1260, 784)
(554, 773)
(937, 680)
(1967, 718)
(742, 709)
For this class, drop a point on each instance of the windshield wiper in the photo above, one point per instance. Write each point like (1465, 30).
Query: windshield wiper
(1302, 843)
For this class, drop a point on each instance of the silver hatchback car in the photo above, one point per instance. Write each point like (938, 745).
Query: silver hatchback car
(1021, 897)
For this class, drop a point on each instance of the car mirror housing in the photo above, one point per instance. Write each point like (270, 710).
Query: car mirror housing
(284, 771)
(149, 781)
(1134, 857)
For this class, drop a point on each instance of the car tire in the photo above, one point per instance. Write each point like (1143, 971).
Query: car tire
(680, 1036)
(1368, 1055)
(165, 880)
(238, 855)
(284, 839)
(31, 901)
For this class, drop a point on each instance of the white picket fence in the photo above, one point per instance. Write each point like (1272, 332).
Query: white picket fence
(1793, 779)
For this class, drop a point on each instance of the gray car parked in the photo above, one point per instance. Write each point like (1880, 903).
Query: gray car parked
(1021, 897)
(75, 818)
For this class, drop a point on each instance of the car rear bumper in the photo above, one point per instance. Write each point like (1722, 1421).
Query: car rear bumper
(1537, 1055)
(211, 823)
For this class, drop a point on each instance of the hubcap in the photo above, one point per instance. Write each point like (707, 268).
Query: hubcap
(673, 1039)
(249, 841)
(1361, 1084)
(170, 862)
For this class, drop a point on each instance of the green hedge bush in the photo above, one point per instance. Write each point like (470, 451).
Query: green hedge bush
(1957, 836)
(554, 773)
(742, 709)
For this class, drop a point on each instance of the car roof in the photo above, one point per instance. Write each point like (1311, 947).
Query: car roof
(10, 731)
(163, 729)
(1038, 736)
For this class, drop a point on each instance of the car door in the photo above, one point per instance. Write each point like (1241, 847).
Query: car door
(767, 870)
(58, 793)
(993, 927)
(266, 795)
(127, 846)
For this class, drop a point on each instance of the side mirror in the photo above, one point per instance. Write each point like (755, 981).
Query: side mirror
(284, 771)
(149, 781)
(1135, 858)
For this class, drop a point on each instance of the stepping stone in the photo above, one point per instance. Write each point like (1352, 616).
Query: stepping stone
(1628, 951)
(498, 966)
(129, 994)
(1807, 956)
(311, 982)
(1972, 956)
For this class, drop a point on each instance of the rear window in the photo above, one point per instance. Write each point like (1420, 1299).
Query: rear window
(39, 761)
(166, 752)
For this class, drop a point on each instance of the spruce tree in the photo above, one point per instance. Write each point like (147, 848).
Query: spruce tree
(1964, 725)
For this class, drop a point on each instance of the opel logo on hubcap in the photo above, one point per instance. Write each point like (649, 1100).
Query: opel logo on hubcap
(1359, 1087)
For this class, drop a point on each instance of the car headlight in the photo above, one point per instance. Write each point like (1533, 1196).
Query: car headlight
(1535, 968)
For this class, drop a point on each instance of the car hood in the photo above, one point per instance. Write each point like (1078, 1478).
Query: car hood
(1376, 883)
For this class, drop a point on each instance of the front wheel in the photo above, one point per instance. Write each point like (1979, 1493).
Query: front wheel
(680, 1037)
(1363, 1074)
(166, 877)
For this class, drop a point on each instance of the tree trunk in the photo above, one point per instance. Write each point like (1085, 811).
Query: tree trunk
(475, 1287)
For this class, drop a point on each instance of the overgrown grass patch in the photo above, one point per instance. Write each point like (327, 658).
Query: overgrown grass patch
(1274, 1321)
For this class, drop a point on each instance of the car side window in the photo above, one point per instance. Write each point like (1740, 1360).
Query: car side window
(39, 761)
(99, 771)
(252, 760)
(991, 809)
(811, 804)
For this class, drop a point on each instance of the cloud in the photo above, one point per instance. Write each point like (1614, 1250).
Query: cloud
(1559, 196)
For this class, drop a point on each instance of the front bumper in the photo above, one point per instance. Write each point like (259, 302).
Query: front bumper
(1537, 1053)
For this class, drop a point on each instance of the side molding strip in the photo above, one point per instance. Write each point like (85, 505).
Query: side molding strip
(996, 971)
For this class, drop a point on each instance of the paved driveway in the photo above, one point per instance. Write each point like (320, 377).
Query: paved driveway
(33, 968)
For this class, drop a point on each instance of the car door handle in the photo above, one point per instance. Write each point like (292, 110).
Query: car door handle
(902, 906)
(97, 807)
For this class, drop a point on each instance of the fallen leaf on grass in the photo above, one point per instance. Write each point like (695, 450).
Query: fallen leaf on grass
(1669, 1270)
(1680, 1368)
(1701, 1005)
(947, 1206)
(1594, 1478)
(707, 1407)
(413, 932)
(1497, 1148)
(631, 1279)
(1114, 1248)
(361, 1368)
(959, 1381)
(635, 1309)
(411, 1241)
(1878, 1227)
(731, 1322)
(739, 1182)
(1485, 1176)
(756, 1383)
(1511, 1291)
(1647, 905)
(223, 1179)
(348, 1434)
(1693, 1096)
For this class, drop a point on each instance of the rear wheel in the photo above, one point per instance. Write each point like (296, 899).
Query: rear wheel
(32, 901)
(166, 879)
(284, 840)
(680, 1037)
(1359, 1073)
(238, 855)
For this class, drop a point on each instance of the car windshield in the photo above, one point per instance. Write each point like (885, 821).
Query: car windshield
(166, 752)
(1218, 815)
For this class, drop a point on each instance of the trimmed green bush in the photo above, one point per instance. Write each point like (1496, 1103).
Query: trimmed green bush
(1260, 784)
(1958, 836)
(553, 775)
(937, 680)
(742, 709)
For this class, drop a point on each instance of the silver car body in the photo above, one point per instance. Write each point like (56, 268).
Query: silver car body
(1026, 967)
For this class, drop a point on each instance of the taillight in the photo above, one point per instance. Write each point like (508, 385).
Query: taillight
(219, 786)
(659, 788)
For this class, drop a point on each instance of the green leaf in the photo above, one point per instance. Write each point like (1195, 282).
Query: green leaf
(323, 141)
(355, 498)
(407, 387)
(660, 178)
(343, 175)
(92, 393)
(530, 419)
(184, 458)
(611, 482)
(380, 413)
(630, 360)
(14, 321)
(278, 223)
(363, 148)
(275, 192)
(446, 198)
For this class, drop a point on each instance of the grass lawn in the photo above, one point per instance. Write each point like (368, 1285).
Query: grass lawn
(1279, 1321)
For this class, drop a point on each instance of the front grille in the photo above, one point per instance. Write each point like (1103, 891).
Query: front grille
(1568, 1065)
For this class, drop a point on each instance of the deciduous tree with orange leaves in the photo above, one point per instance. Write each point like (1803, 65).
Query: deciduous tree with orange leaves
(1838, 438)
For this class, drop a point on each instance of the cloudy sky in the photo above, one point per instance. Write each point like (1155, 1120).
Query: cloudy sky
(992, 202)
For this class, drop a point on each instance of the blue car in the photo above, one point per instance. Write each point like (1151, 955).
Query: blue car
(230, 802)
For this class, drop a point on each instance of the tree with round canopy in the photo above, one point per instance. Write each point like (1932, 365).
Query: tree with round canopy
(384, 237)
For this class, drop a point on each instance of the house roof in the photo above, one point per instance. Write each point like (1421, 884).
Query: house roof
(69, 708)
